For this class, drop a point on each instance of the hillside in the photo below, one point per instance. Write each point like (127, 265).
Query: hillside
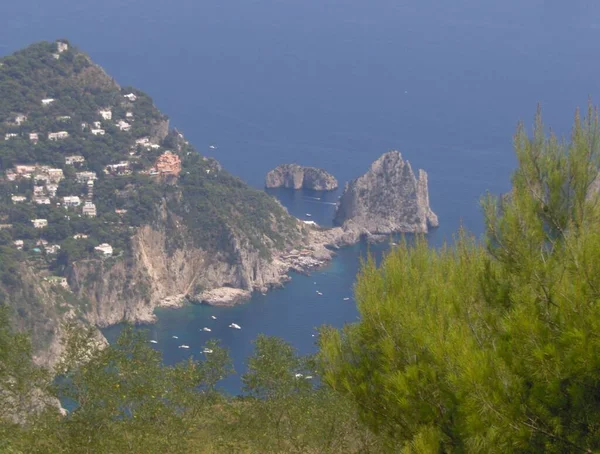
(105, 213)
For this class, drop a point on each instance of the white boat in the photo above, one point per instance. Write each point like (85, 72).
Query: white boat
(207, 350)
(346, 299)
(235, 326)
(212, 147)
(308, 377)
(213, 317)
(175, 337)
(319, 293)
(153, 341)
(184, 346)
(309, 215)
(206, 329)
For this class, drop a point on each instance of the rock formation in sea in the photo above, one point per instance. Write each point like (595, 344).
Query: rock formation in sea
(388, 198)
(295, 176)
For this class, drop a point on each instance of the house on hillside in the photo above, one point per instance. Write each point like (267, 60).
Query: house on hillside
(89, 209)
(80, 236)
(71, 201)
(130, 96)
(20, 119)
(10, 135)
(42, 200)
(104, 249)
(98, 132)
(52, 248)
(61, 46)
(51, 189)
(58, 281)
(168, 163)
(123, 125)
(34, 137)
(106, 114)
(55, 175)
(74, 159)
(84, 177)
(18, 198)
(58, 135)
(22, 169)
(47, 101)
(120, 168)
(129, 115)
(39, 223)
(18, 244)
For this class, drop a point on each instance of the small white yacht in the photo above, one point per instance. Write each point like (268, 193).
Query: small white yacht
(153, 341)
(184, 346)
(235, 326)
(213, 317)
(175, 337)
(207, 350)
(206, 329)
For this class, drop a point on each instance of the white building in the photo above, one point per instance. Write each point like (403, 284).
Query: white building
(117, 168)
(22, 169)
(18, 244)
(20, 119)
(142, 141)
(89, 209)
(58, 135)
(42, 200)
(84, 177)
(71, 201)
(123, 125)
(97, 124)
(10, 135)
(47, 101)
(63, 117)
(33, 136)
(51, 189)
(52, 248)
(75, 159)
(18, 198)
(80, 236)
(38, 190)
(61, 46)
(129, 115)
(106, 114)
(39, 223)
(98, 132)
(130, 96)
(55, 175)
(105, 249)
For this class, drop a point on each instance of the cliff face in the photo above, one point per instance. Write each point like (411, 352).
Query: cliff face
(158, 275)
(386, 199)
(295, 176)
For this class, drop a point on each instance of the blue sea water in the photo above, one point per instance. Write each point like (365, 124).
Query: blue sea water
(334, 84)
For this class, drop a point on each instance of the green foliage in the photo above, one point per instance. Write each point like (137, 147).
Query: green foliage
(124, 399)
(489, 348)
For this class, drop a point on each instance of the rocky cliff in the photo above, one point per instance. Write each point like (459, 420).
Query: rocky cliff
(295, 176)
(388, 198)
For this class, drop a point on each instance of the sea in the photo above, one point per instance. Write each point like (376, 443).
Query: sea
(257, 83)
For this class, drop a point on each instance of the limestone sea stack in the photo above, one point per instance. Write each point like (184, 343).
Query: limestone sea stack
(387, 199)
(295, 176)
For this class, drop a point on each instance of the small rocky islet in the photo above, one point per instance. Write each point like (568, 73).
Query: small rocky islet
(295, 176)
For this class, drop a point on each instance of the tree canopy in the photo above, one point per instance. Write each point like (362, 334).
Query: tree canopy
(489, 347)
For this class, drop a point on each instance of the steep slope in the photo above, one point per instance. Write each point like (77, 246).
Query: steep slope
(387, 199)
(106, 214)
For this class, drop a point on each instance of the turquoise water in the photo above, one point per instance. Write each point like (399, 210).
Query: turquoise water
(335, 84)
